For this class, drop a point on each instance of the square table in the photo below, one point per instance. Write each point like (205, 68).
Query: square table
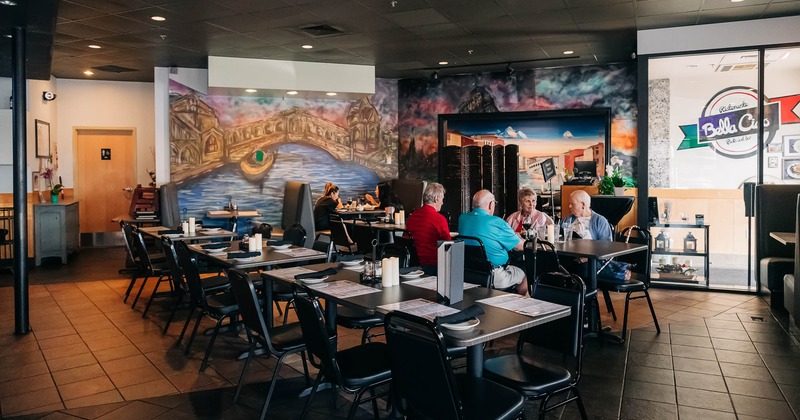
(269, 256)
(594, 251)
(495, 322)
(197, 235)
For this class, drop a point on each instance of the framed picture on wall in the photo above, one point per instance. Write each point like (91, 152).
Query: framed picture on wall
(791, 169)
(43, 139)
(772, 162)
(775, 147)
(791, 145)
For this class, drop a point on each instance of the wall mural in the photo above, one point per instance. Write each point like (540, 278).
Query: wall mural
(247, 147)
(421, 100)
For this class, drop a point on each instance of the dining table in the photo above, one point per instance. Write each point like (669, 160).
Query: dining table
(232, 215)
(344, 288)
(595, 251)
(268, 256)
(346, 213)
(200, 234)
(786, 238)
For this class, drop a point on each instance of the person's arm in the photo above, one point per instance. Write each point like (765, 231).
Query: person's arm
(508, 238)
(602, 228)
(442, 230)
(371, 200)
(339, 203)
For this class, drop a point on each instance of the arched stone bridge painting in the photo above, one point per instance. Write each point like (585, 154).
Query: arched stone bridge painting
(199, 145)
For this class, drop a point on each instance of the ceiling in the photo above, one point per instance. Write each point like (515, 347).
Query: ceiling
(401, 38)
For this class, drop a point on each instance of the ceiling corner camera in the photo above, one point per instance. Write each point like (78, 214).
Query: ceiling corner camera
(48, 96)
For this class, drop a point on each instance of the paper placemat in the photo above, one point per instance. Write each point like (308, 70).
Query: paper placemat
(523, 305)
(420, 307)
(288, 273)
(430, 283)
(299, 252)
(344, 289)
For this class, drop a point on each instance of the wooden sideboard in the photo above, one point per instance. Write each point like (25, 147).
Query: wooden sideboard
(56, 230)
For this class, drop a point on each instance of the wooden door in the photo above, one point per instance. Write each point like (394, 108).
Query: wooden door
(105, 164)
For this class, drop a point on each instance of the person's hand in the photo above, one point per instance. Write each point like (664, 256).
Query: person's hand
(582, 260)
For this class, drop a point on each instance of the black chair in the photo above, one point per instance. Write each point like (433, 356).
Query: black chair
(339, 236)
(407, 240)
(477, 267)
(540, 257)
(279, 342)
(219, 306)
(282, 292)
(296, 234)
(363, 235)
(355, 370)
(180, 290)
(147, 267)
(396, 250)
(640, 277)
(423, 377)
(554, 367)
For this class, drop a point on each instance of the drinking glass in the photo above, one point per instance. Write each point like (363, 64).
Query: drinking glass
(568, 232)
(556, 231)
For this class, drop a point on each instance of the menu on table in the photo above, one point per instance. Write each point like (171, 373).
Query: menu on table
(420, 307)
(344, 289)
(289, 273)
(298, 252)
(429, 283)
(523, 305)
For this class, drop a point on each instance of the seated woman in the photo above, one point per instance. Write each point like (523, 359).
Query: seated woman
(326, 206)
(384, 197)
(527, 212)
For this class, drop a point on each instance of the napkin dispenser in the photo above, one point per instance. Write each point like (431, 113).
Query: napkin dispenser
(450, 276)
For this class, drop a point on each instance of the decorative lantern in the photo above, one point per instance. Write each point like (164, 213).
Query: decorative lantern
(661, 242)
(690, 243)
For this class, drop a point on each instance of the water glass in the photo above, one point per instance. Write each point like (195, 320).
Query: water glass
(369, 271)
(556, 231)
(568, 232)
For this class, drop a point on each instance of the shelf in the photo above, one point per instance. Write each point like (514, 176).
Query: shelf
(678, 225)
(671, 252)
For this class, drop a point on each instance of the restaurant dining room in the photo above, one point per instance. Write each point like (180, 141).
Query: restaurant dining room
(399, 209)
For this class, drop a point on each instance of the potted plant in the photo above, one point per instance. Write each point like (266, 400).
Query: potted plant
(613, 182)
(55, 191)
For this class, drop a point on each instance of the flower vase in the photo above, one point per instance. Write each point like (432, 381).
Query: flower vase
(54, 198)
(619, 191)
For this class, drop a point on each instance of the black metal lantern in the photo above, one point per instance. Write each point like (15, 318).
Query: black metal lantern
(690, 243)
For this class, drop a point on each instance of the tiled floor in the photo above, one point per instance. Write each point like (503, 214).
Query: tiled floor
(91, 356)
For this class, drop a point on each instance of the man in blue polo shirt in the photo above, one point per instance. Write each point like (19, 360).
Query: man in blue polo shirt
(498, 238)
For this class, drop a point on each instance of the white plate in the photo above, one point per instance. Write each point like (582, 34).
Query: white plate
(793, 170)
(412, 275)
(314, 281)
(462, 326)
(217, 251)
(173, 235)
(284, 246)
(353, 263)
(211, 230)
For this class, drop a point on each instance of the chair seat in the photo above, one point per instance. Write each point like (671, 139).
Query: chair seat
(215, 284)
(222, 304)
(287, 337)
(484, 399)
(530, 377)
(354, 318)
(626, 286)
(364, 365)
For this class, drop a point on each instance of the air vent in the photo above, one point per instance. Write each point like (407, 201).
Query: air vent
(114, 69)
(737, 67)
(321, 30)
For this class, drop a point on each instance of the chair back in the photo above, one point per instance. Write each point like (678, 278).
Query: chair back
(477, 267)
(363, 236)
(339, 235)
(249, 307)
(565, 335)
(315, 334)
(323, 246)
(640, 260)
(170, 211)
(265, 229)
(127, 235)
(421, 371)
(396, 250)
(296, 234)
(796, 304)
(175, 272)
(407, 241)
(142, 256)
(188, 266)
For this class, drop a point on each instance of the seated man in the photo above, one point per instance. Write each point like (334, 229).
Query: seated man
(498, 238)
(428, 227)
(586, 223)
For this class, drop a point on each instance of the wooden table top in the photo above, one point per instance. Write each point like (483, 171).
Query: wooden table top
(269, 256)
(198, 235)
(786, 238)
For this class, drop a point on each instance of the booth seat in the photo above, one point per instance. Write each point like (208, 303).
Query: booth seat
(775, 208)
(409, 191)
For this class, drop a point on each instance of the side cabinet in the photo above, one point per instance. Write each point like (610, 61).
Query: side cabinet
(56, 230)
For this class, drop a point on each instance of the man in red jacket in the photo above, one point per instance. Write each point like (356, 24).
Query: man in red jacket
(428, 226)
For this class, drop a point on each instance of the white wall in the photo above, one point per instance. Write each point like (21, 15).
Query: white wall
(92, 103)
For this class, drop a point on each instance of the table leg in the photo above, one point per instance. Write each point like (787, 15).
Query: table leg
(234, 222)
(475, 361)
(594, 311)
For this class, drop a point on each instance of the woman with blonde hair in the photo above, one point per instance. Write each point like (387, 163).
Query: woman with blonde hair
(527, 213)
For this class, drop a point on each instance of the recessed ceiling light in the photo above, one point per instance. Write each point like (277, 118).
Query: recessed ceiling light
(307, 46)
(291, 92)
(331, 93)
(568, 52)
(736, 1)
(443, 63)
(158, 18)
(95, 47)
(88, 72)
(7, 35)
(250, 90)
(8, 3)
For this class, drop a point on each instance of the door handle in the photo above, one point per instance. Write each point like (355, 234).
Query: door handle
(128, 189)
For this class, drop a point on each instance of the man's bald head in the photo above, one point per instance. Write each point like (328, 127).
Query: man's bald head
(580, 203)
(483, 199)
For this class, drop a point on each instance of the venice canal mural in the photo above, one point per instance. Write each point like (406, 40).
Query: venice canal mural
(248, 147)
(421, 100)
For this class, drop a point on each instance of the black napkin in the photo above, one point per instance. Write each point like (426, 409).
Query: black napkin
(216, 245)
(317, 274)
(409, 269)
(348, 258)
(465, 315)
(278, 243)
(374, 220)
(232, 255)
(169, 231)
